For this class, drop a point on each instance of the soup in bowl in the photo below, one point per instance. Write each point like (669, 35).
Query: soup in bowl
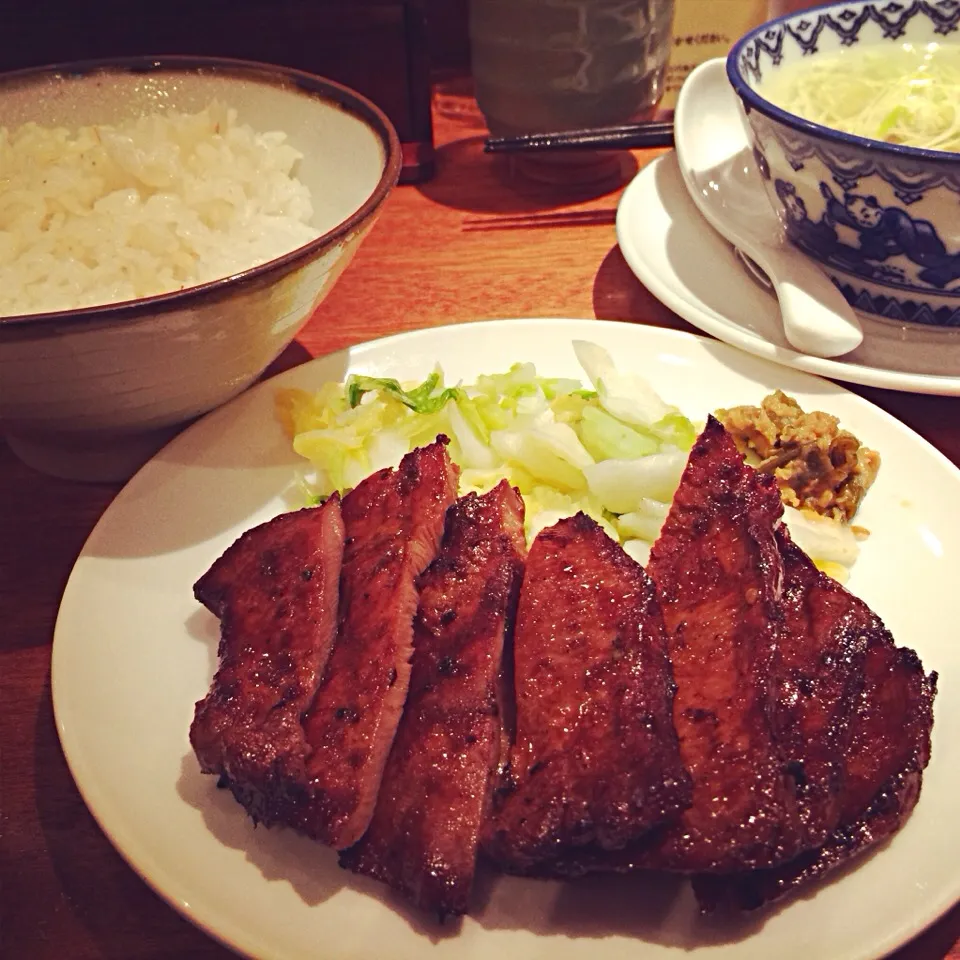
(854, 115)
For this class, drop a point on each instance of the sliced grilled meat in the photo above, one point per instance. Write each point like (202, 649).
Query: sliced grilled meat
(884, 761)
(596, 762)
(275, 592)
(394, 522)
(890, 746)
(423, 837)
(823, 639)
(718, 572)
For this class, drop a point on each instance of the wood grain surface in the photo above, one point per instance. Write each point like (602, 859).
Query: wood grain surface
(450, 251)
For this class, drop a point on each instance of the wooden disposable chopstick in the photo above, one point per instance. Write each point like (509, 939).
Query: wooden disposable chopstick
(627, 136)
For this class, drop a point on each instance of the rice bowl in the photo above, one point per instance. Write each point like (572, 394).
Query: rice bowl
(91, 392)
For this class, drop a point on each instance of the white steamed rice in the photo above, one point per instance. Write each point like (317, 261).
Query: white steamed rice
(111, 213)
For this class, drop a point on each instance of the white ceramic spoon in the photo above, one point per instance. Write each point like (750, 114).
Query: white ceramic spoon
(720, 172)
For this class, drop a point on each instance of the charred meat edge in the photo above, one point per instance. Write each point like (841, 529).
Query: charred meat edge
(423, 838)
(596, 762)
(275, 591)
(394, 522)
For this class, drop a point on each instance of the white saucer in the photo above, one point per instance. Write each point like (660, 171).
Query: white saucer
(686, 265)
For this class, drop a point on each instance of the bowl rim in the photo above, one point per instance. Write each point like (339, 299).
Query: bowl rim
(756, 102)
(268, 73)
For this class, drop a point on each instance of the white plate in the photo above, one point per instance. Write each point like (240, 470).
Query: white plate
(133, 652)
(685, 264)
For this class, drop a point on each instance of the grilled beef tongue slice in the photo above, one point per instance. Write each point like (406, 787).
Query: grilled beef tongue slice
(275, 591)
(595, 762)
(823, 640)
(885, 740)
(394, 522)
(423, 838)
(718, 572)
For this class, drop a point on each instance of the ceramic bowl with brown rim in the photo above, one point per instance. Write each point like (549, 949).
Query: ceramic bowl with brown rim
(90, 393)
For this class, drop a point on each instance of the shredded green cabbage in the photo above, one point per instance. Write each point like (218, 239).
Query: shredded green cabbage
(610, 448)
(907, 94)
(423, 399)
(615, 452)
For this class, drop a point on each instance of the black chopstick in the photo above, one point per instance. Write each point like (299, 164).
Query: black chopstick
(627, 136)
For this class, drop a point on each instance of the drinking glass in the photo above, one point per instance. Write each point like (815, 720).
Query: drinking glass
(542, 65)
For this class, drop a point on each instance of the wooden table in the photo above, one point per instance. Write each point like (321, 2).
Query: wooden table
(442, 253)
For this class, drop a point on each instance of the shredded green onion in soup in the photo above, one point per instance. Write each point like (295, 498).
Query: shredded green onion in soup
(906, 95)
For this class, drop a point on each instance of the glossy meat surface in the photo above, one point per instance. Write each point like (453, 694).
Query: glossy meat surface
(423, 838)
(719, 575)
(884, 758)
(823, 640)
(275, 591)
(595, 762)
(394, 522)
(735, 715)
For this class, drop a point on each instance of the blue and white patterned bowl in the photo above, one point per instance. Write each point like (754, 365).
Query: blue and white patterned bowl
(883, 220)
